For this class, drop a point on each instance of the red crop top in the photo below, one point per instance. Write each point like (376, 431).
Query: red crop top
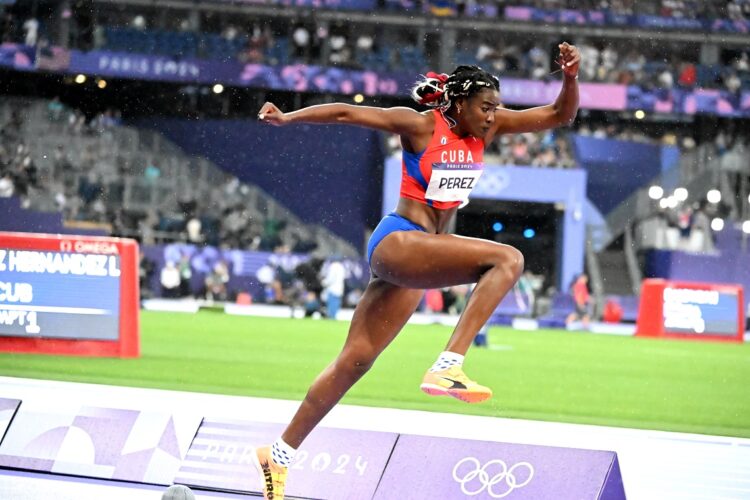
(443, 175)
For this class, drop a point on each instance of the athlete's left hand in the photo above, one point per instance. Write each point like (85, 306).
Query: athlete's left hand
(269, 113)
(569, 59)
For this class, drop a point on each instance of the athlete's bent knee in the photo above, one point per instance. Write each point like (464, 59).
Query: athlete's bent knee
(510, 260)
(515, 261)
(356, 363)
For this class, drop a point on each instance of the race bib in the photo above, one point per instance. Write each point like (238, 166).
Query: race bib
(453, 181)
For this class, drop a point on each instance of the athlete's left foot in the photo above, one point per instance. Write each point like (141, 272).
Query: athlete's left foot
(272, 474)
(454, 382)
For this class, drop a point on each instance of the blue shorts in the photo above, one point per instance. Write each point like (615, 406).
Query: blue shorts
(390, 223)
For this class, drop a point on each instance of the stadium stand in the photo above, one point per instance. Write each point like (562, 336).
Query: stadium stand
(136, 183)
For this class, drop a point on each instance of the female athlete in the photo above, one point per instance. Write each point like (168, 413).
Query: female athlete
(409, 251)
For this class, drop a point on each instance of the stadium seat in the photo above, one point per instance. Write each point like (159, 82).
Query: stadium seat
(278, 52)
(629, 305)
(466, 56)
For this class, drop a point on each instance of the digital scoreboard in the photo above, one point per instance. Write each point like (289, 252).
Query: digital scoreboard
(69, 295)
(691, 310)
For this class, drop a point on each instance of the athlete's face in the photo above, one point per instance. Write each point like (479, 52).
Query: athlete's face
(478, 112)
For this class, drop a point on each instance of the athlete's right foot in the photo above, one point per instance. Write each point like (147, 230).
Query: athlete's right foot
(454, 382)
(272, 474)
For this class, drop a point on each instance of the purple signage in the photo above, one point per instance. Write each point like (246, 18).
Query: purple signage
(323, 4)
(604, 17)
(565, 16)
(297, 77)
(592, 95)
(455, 468)
(148, 67)
(17, 56)
(664, 22)
(108, 443)
(731, 25)
(331, 463)
(690, 102)
(305, 78)
(513, 13)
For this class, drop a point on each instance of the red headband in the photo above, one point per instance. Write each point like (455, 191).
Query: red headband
(434, 96)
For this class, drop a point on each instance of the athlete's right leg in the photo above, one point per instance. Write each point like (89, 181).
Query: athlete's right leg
(381, 313)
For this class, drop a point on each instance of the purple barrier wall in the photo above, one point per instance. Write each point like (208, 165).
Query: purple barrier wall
(243, 266)
(107, 443)
(332, 463)
(458, 468)
(618, 168)
(216, 453)
(15, 218)
(325, 174)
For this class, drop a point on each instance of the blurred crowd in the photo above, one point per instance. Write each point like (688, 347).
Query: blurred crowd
(277, 41)
(550, 149)
(85, 185)
(687, 227)
(316, 286)
(18, 172)
(604, 61)
(625, 132)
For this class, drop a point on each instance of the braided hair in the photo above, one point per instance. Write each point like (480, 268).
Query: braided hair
(438, 90)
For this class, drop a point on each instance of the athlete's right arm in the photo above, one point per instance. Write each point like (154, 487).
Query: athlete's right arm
(399, 120)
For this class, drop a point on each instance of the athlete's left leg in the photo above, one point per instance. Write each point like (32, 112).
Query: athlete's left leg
(414, 259)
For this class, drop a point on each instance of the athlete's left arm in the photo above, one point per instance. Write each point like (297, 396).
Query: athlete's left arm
(561, 112)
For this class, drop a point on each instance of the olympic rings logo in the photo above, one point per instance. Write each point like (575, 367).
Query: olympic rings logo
(504, 481)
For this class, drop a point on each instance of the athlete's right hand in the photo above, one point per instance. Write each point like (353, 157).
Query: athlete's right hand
(269, 113)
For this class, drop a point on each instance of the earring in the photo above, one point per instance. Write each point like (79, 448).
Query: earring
(459, 110)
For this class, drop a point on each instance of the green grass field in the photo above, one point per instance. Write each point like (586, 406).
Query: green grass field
(544, 375)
